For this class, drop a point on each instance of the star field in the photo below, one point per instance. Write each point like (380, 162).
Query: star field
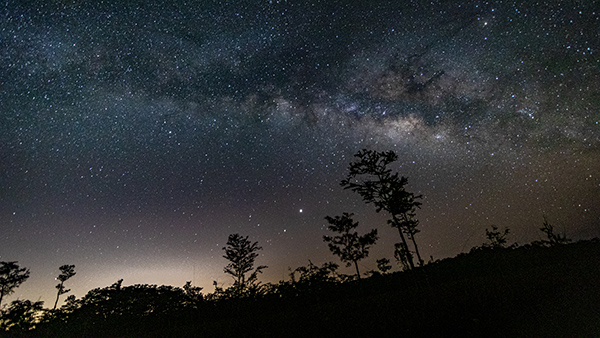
(135, 137)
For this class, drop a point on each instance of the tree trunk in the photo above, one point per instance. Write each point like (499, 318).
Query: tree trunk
(357, 272)
(409, 256)
(1, 296)
(412, 237)
(57, 296)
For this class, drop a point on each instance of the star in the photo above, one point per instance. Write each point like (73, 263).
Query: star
(160, 131)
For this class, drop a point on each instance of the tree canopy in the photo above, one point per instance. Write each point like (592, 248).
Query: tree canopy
(348, 245)
(11, 276)
(66, 272)
(372, 178)
(241, 254)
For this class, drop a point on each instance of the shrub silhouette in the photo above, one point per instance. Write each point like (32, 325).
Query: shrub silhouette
(497, 239)
(21, 316)
(553, 239)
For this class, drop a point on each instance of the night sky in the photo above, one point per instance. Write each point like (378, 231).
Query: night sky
(134, 138)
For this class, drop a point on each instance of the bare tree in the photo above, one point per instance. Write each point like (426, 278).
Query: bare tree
(11, 277)
(66, 272)
(349, 246)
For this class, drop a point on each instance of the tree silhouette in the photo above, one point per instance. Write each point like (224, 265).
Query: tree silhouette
(371, 177)
(310, 279)
(383, 265)
(311, 274)
(11, 276)
(553, 239)
(21, 316)
(66, 272)
(349, 246)
(241, 254)
(193, 293)
(496, 238)
(138, 310)
(402, 255)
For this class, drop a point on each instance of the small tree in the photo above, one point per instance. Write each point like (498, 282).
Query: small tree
(553, 239)
(371, 177)
(11, 277)
(241, 254)
(383, 265)
(313, 277)
(66, 272)
(496, 238)
(349, 246)
(193, 293)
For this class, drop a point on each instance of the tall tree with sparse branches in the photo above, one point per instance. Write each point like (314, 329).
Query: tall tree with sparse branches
(349, 245)
(11, 277)
(371, 177)
(241, 254)
(66, 272)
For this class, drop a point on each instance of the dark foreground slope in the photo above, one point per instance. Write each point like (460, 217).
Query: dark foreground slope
(523, 292)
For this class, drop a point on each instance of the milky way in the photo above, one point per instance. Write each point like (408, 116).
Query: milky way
(134, 139)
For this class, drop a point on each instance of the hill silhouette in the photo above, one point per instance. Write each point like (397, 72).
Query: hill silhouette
(529, 291)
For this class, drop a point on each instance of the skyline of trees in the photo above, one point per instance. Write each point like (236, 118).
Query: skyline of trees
(247, 252)
(119, 310)
(370, 175)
